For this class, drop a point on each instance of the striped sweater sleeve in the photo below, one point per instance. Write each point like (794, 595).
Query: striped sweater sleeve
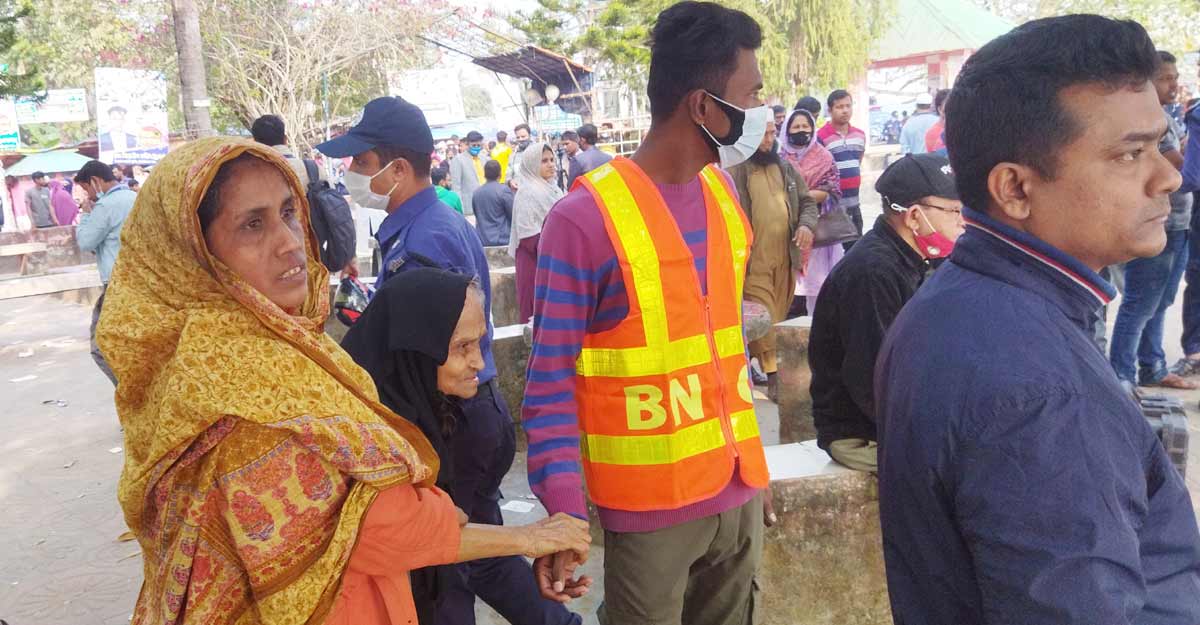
(577, 287)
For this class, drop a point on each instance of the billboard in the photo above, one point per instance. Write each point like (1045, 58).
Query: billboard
(131, 115)
(10, 138)
(56, 105)
(436, 92)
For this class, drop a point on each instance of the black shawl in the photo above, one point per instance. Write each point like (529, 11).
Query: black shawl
(401, 339)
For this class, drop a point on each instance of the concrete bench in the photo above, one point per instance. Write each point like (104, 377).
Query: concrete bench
(823, 560)
(795, 376)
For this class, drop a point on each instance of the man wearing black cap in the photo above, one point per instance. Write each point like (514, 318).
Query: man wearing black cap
(921, 218)
(391, 147)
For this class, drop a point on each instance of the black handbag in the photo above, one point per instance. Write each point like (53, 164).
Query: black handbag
(834, 228)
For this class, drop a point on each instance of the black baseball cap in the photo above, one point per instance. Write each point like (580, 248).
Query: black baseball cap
(385, 121)
(916, 176)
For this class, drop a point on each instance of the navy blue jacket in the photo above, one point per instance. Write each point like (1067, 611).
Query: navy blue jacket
(1018, 483)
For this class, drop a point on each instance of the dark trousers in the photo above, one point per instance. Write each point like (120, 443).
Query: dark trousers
(484, 443)
(1136, 347)
(96, 355)
(696, 573)
(855, 214)
(1191, 294)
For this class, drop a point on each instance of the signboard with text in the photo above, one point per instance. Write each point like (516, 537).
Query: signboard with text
(56, 105)
(10, 138)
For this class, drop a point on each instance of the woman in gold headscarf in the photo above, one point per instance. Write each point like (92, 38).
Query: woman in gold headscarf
(263, 479)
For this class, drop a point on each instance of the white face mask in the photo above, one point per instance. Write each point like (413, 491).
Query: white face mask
(359, 186)
(754, 126)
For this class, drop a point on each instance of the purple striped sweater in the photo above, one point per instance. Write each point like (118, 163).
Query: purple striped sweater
(578, 290)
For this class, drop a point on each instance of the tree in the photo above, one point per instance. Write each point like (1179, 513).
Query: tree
(477, 102)
(553, 25)
(1171, 23)
(16, 81)
(271, 56)
(191, 68)
(799, 52)
(128, 34)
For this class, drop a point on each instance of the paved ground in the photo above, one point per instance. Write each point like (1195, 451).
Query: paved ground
(60, 560)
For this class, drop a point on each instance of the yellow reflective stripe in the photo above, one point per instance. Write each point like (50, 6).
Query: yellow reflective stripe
(639, 250)
(745, 425)
(666, 448)
(729, 342)
(733, 224)
(642, 255)
(692, 351)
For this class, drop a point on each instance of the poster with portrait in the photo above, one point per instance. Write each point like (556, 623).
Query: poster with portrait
(131, 115)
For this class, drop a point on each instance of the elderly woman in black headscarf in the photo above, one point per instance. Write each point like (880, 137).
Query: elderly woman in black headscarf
(419, 341)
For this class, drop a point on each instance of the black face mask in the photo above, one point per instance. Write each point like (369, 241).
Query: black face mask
(800, 139)
(737, 118)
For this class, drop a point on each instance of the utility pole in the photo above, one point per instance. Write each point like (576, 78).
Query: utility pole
(194, 91)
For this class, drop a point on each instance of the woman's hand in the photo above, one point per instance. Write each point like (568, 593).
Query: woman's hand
(804, 238)
(561, 532)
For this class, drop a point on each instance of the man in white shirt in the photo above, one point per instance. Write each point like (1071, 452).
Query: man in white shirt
(912, 137)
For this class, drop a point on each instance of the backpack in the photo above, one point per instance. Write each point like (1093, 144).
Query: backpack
(331, 220)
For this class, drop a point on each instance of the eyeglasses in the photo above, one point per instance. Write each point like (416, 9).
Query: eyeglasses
(944, 209)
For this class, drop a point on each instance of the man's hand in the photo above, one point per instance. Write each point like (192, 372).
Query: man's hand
(769, 518)
(555, 577)
(351, 269)
(804, 238)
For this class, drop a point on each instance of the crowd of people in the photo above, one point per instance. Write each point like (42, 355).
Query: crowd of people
(954, 348)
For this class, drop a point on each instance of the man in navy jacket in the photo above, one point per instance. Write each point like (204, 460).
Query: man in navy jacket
(1019, 483)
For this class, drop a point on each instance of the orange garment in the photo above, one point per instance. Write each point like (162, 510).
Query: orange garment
(405, 528)
(665, 406)
(933, 136)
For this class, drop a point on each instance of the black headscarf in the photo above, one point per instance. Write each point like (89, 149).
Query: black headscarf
(401, 339)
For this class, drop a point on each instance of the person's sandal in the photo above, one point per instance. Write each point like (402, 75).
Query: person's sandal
(1175, 381)
(1186, 367)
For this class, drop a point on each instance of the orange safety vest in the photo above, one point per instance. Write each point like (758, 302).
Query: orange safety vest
(664, 398)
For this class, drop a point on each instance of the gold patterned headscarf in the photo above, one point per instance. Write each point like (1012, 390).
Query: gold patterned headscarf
(254, 444)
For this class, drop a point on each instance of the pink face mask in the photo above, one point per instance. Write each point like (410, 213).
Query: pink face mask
(935, 244)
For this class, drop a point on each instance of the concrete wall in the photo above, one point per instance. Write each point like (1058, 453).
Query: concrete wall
(497, 257)
(506, 310)
(511, 353)
(795, 402)
(62, 250)
(823, 560)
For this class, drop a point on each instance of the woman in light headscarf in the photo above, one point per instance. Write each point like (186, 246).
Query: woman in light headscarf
(263, 479)
(536, 195)
(64, 206)
(815, 164)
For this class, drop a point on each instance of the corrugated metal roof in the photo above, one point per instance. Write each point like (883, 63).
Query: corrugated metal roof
(927, 26)
(539, 65)
(55, 161)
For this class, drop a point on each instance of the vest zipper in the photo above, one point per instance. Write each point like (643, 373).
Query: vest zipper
(726, 425)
